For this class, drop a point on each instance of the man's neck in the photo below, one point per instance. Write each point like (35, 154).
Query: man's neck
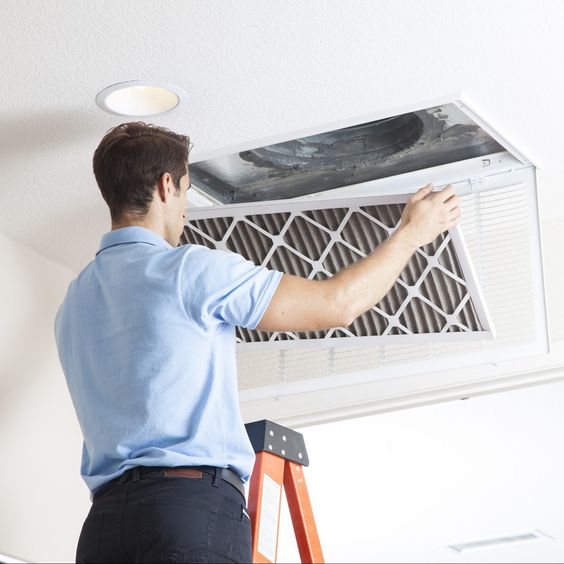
(147, 222)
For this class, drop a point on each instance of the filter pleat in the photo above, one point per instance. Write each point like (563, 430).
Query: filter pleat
(215, 228)
(363, 234)
(413, 270)
(420, 318)
(306, 238)
(284, 260)
(248, 242)
(388, 214)
(272, 223)
(193, 237)
(330, 218)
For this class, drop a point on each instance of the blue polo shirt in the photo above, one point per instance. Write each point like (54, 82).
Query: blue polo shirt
(146, 339)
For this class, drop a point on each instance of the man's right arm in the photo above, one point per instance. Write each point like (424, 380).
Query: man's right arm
(307, 305)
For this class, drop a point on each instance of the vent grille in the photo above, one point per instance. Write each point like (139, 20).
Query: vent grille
(316, 240)
(503, 255)
(499, 541)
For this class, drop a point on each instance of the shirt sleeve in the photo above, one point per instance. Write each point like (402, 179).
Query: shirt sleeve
(221, 286)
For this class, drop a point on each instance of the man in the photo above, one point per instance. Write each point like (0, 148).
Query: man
(146, 339)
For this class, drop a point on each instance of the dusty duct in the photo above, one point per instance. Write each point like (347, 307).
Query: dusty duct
(343, 157)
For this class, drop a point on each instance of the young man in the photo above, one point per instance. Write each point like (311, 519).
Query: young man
(146, 339)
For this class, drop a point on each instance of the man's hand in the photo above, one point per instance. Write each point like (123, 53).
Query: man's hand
(308, 305)
(427, 214)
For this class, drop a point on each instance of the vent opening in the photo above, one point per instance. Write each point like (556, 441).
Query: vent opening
(341, 148)
(345, 156)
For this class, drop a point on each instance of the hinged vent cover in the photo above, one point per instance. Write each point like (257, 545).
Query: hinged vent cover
(436, 295)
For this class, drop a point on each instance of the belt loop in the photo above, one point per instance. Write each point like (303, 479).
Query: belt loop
(135, 474)
(216, 477)
(123, 478)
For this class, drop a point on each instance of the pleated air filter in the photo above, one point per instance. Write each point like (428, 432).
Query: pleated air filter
(437, 296)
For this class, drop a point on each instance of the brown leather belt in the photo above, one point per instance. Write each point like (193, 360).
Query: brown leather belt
(226, 475)
(192, 472)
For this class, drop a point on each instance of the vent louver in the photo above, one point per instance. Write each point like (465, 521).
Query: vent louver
(436, 294)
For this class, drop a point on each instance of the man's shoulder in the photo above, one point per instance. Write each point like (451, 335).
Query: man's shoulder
(83, 276)
(203, 253)
(199, 259)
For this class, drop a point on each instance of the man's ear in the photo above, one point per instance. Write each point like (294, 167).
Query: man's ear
(165, 187)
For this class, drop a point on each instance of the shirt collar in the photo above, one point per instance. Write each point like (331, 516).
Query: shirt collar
(134, 234)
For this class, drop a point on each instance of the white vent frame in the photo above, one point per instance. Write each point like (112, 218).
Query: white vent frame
(427, 380)
(241, 212)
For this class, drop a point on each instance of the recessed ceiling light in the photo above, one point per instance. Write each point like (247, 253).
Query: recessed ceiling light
(139, 98)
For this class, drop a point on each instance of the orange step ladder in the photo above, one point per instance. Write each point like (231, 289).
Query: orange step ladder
(280, 458)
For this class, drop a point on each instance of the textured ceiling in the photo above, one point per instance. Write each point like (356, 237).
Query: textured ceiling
(253, 70)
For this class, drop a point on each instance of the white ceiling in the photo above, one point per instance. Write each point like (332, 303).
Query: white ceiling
(254, 70)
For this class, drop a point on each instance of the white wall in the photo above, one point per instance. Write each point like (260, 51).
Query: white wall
(43, 500)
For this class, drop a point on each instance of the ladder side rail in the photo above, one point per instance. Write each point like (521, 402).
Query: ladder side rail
(301, 513)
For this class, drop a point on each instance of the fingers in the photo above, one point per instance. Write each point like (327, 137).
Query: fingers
(452, 203)
(453, 220)
(454, 215)
(422, 193)
(445, 194)
(448, 198)
(442, 205)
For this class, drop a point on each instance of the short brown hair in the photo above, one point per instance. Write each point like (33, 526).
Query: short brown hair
(130, 160)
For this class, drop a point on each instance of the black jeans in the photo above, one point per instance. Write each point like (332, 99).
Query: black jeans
(172, 519)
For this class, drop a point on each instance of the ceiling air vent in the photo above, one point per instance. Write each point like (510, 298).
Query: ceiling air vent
(313, 201)
(436, 295)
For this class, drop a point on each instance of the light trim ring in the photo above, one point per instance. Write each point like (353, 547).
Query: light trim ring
(140, 98)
